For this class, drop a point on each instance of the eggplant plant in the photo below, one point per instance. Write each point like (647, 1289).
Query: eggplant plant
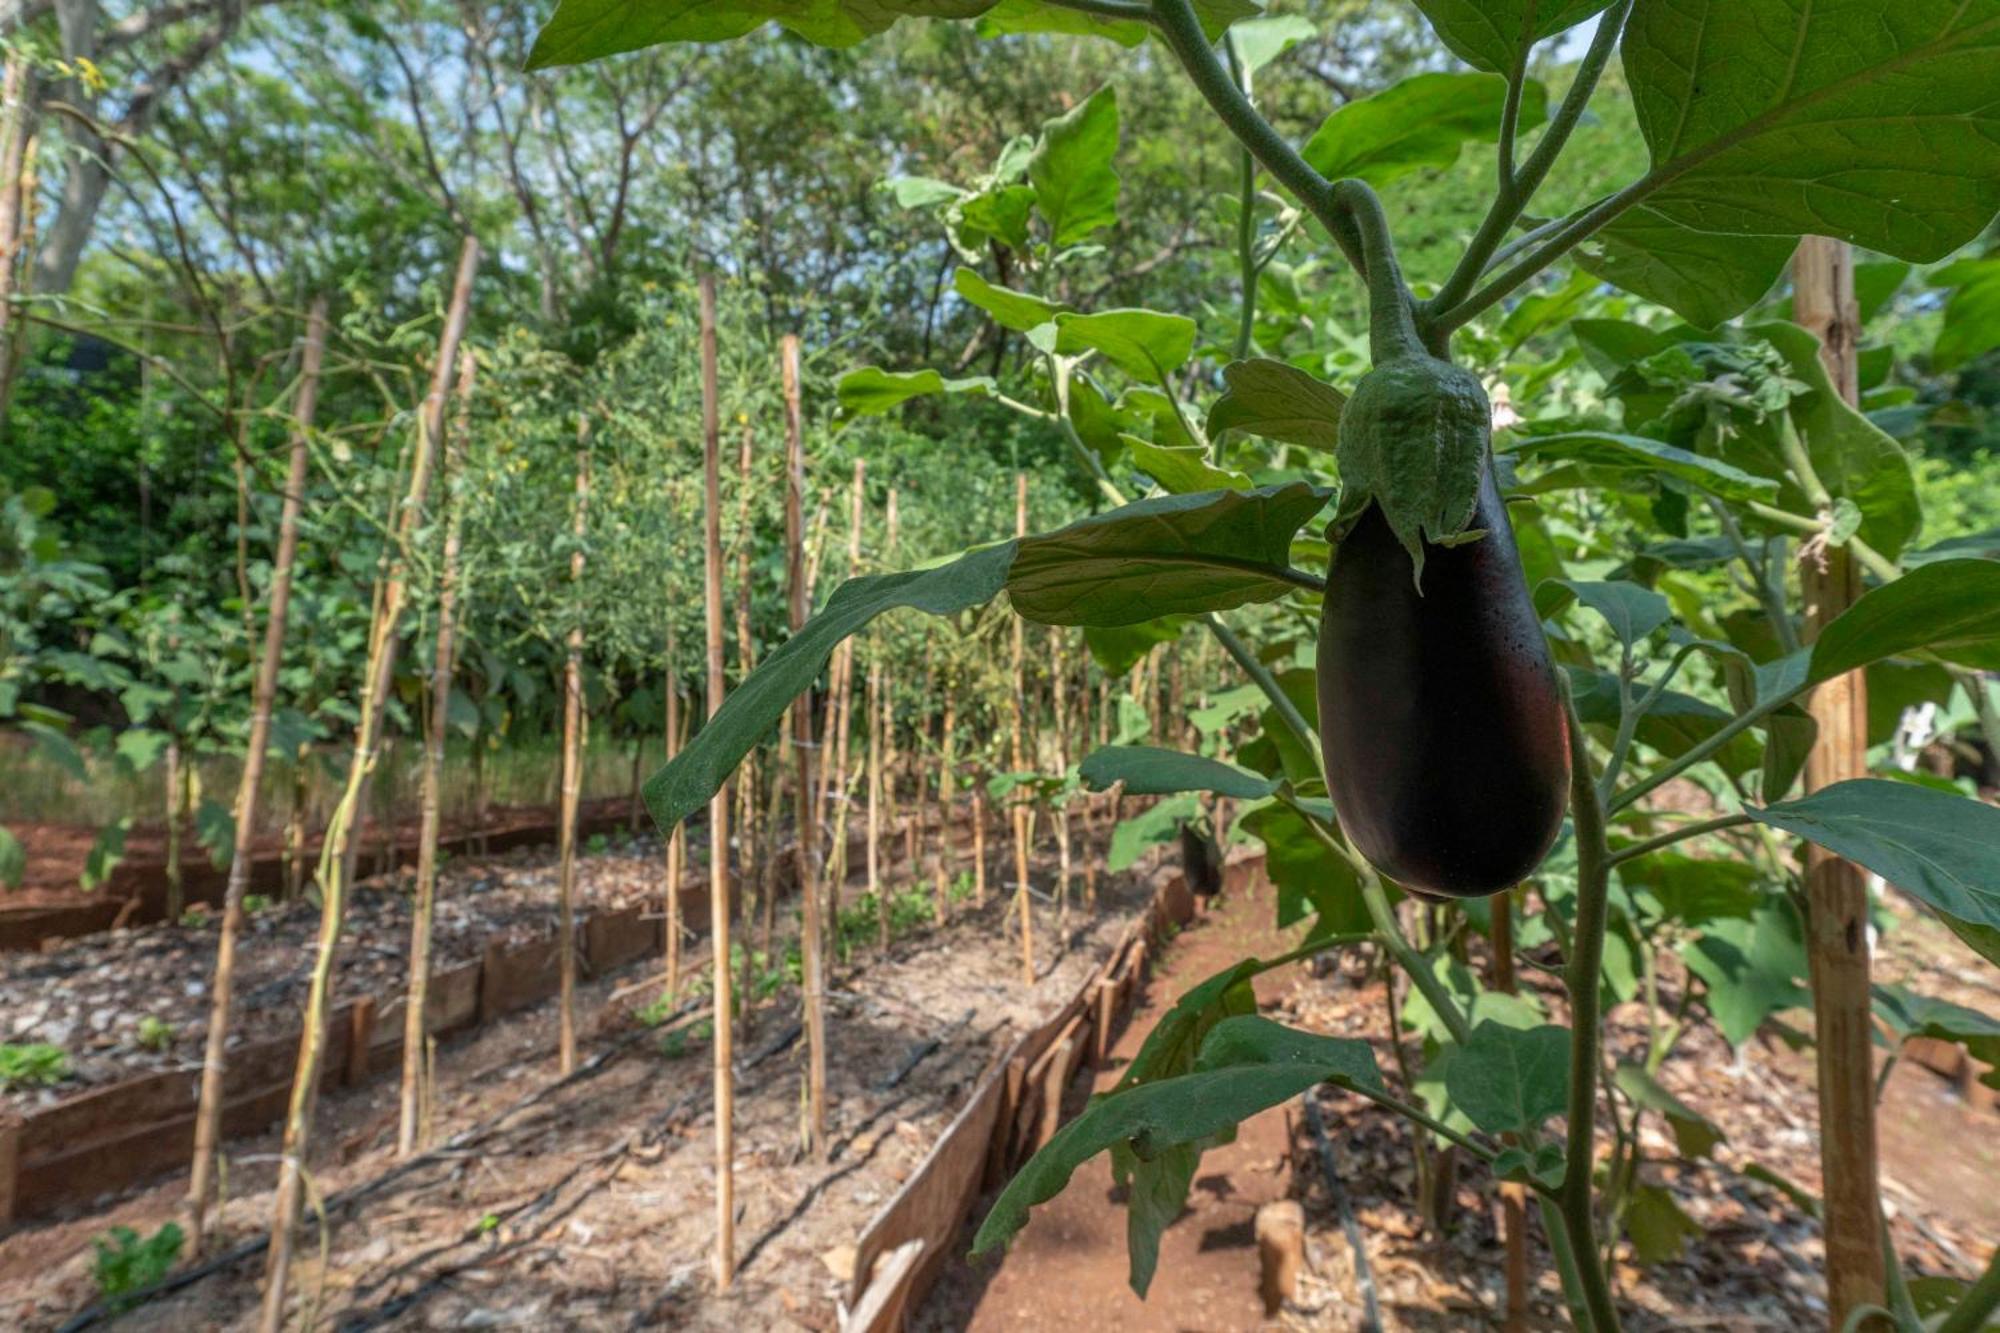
(1517, 643)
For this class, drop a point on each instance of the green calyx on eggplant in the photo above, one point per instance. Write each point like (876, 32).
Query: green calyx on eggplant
(1445, 734)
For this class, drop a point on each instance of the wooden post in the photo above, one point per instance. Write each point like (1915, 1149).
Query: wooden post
(677, 839)
(882, 786)
(1281, 1251)
(843, 701)
(337, 849)
(756, 869)
(15, 202)
(1836, 890)
(1058, 690)
(718, 810)
(1020, 810)
(410, 1114)
(807, 832)
(208, 1109)
(1513, 1196)
(572, 768)
(978, 842)
(360, 1036)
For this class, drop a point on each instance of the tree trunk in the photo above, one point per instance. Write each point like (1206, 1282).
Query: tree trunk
(334, 852)
(1022, 827)
(572, 769)
(15, 98)
(813, 937)
(208, 1108)
(415, 1090)
(718, 809)
(1837, 890)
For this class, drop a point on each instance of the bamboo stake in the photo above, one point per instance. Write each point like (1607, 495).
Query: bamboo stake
(572, 769)
(15, 96)
(410, 1119)
(946, 745)
(1837, 890)
(1058, 690)
(336, 851)
(1022, 828)
(806, 835)
(885, 760)
(843, 696)
(1513, 1195)
(978, 842)
(677, 838)
(176, 820)
(718, 810)
(208, 1109)
(756, 876)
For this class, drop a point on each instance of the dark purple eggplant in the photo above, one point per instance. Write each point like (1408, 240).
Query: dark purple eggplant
(1447, 745)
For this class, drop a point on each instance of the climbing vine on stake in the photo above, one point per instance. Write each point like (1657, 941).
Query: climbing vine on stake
(1876, 113)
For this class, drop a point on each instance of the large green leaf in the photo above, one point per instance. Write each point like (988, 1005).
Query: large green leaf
(1750, 967)
(1167, 555)
(1692, 891)
(1148, 770)
(1017, 16)
(868, 390)
(1076, 186)
(1933, 845)
(1149, 828)
(1420, 122)
(1947, 606)
(1182, 469)
(589, 29)
(1631, 611)
(1872, 123)
(1491, 34)
(1310, 878)
(1259, 41)
(1279, 402)
(1694, 1133)
(1707, 278)
(1972, 315)
(1010, 309)
(1606, 450)
(1145, 344)
(685, 785)
(1854, 458)
(1508, 1080)
(1118, 648)
(1908, 1014)
(1247, 1064)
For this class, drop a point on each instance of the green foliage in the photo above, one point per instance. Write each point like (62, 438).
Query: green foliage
(125, 1263)
(155, 1033)
(31, 1065)
(1149, 771)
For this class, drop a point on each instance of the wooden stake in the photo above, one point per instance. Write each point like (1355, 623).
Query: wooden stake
(756, 869)
(1513, 1196)
(813, 939)
(677, 839)
(337, 849)
(843, 703)
(410, 1117)
(1837, 890)
(718, 810)
(1281, 1251)
(572, 769)
(15, 96)
(1022, 827)
(978, 842)
(208, 1109)
(884, 792)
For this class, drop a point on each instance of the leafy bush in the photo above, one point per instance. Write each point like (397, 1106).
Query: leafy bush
(31, 1065)
(155, 1034)
(126, 1264)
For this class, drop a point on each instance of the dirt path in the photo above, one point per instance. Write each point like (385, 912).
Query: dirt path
(1067, 1270)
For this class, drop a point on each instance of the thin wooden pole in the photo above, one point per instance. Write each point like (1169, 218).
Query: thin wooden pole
(1022, 828)
(572, 768)
(338, 846)
(884, 795)
(677, 838)
(807, 832)
(718, 810)
(756, 870)
(15, 203)
(208, 1109)
(1837, 890)
(1059, 690)
(1513, 1196)
(843, 702)
(410, 1120)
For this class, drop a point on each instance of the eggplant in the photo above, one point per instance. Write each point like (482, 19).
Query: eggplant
(1446, 739)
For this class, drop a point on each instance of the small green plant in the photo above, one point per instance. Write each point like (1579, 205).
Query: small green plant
(126, 1264)
(597, 844)
(155, 1034)
(34, 1064)
(960, 889)
(674, 1044)
(254, 903)
(656, 1013)
(488, 1223)
(195, 917)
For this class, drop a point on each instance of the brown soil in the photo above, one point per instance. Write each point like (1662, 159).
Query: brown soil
(1754, 1264)
(592, 1207)
(1067, 1269)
